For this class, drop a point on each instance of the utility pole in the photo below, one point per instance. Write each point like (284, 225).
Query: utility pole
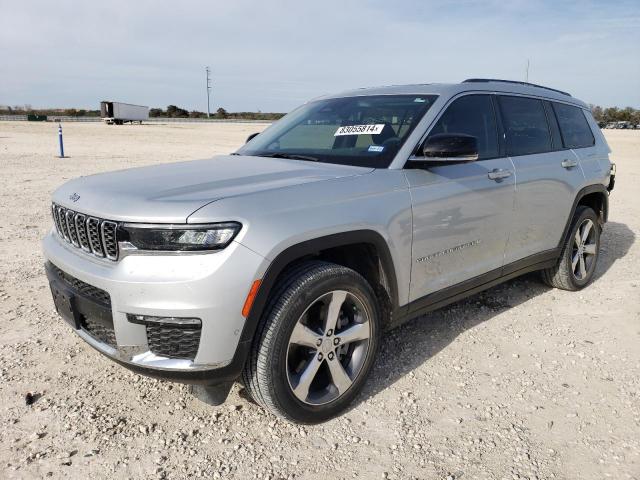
(526, 78)
(208, 90)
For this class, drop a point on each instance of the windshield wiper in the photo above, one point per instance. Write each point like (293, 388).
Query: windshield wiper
(291, 156)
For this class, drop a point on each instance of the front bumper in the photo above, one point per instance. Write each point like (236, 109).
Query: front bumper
(211, 287)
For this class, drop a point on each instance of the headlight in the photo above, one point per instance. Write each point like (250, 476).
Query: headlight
(215, 236)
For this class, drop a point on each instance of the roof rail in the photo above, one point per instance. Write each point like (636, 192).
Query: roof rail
(486, 80)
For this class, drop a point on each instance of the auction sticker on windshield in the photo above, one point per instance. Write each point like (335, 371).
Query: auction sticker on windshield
(359, 130)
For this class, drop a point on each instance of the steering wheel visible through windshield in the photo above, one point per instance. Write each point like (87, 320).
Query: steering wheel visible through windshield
(363, 131)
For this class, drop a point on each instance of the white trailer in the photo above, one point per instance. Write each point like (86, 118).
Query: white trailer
(119, 113)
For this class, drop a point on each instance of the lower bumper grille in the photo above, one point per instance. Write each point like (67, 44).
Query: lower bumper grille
(172, 342)
(83, 288)
(90, 307)
(101, 332)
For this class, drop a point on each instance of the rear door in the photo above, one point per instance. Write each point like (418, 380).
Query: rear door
(578, 130)
(548, 175)
(461, 212)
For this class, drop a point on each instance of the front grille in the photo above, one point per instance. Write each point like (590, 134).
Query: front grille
(93, 235)
(173, 342)
(99, 331)
(85, 289)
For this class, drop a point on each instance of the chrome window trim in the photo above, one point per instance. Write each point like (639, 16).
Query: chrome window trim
(495, 93)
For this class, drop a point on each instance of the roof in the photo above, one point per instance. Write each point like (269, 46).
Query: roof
(472, 85)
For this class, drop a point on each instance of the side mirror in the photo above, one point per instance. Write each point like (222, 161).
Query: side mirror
(252, 136)
(447, 147)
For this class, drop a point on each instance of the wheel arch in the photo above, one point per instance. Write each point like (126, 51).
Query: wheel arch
(365, 251)
(593, 196)
(599, 201)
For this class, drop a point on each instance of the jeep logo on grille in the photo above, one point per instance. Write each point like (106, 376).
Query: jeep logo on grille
(74, 197)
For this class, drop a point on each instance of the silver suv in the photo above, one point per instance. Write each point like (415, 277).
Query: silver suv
(282, 264)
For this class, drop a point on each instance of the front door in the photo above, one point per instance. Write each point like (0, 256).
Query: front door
(461, 212)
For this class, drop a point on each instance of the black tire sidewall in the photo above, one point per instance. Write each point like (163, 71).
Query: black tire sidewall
(326, 280)
(586, 213)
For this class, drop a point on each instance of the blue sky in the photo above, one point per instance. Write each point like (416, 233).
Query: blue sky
(274, 55)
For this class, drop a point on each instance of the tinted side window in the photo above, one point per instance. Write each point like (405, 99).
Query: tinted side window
(573, 126)
(525, 126)
(471, 115)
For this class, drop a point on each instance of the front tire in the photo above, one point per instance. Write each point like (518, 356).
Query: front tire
(315, 344)
(577, 263)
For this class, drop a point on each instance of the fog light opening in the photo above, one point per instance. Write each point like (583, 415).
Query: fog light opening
(175, 322)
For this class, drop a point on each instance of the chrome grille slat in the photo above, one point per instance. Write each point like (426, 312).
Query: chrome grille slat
(62, 213)
(93, 235)
(81, 228)
(54, 214)
(108, 230)
(93, 231)
(58, 223)
(71, 227)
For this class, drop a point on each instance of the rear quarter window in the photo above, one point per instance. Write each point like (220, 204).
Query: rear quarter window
(574, 127)
(525, 126)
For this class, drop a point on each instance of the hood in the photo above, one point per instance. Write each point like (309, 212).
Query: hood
(169, 193)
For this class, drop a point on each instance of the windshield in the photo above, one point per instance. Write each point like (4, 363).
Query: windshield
(364, 131)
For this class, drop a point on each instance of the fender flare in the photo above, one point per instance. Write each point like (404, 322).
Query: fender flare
(597, 188)
(311, 247)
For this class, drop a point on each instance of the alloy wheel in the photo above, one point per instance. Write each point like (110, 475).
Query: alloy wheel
(584, 250)
(328, 347)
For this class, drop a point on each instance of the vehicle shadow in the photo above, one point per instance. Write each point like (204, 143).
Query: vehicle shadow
(615, 242)
(409, 346)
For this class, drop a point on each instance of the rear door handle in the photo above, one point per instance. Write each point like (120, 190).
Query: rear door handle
(498, 174)
(569, 163)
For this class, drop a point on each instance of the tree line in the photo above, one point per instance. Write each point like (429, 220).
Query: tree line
(172, 111)
(615, 114)
(28, 110)
(602, 115)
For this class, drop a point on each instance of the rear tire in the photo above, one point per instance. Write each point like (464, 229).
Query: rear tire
(577, 262)
(315, 344)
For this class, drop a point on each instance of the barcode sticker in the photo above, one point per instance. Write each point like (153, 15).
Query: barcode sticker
(359, 130)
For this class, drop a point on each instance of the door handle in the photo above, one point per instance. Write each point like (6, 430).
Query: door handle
(498, 174)
(566, 163)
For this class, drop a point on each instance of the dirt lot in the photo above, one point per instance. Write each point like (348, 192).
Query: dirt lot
(521, 381)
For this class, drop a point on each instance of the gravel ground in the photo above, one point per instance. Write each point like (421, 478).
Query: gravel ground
(521, 381)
